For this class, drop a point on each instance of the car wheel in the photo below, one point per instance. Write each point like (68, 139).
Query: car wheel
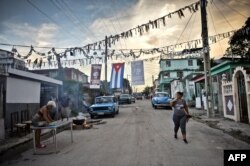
(117, 111)
(155, 107)
(113, 115)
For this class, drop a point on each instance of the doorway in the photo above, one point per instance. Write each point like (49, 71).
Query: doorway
(242, 97)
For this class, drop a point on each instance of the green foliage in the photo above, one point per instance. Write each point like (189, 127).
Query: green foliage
(127, 85)
(147, 90)
(240, 42)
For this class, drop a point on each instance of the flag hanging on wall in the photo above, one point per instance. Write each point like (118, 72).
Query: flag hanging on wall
(117, 74)
(137, 72)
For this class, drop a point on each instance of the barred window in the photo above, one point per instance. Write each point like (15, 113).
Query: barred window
(168, 63)
(180, 74)
(190, 62)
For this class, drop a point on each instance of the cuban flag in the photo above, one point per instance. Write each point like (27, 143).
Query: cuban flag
(117, 73)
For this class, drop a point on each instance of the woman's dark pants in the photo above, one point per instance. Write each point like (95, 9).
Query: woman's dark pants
(179, 122)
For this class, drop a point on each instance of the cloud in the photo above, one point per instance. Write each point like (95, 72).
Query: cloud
(46, 34)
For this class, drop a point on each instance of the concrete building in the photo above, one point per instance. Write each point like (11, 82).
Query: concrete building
(226, 68)
(21, 90)
(176, 69)
(69, 74)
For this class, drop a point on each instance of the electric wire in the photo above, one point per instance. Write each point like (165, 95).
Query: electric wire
(184, 28)
(51, 19)
(236, 11)
(77, 18)
(210, 13)
(223, 15)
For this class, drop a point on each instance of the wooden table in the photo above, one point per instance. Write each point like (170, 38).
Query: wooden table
(53, 126)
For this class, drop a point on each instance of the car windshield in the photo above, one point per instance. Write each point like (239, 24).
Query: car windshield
(100, 100)
(161, 95)
(124, 95)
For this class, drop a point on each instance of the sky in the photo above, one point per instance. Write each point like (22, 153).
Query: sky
(75, 23)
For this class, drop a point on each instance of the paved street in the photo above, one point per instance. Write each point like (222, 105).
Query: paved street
(138, 136)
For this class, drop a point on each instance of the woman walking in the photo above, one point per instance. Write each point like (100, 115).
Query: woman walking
(180, 116)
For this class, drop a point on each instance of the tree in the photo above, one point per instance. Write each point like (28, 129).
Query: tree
(240, 42)
(147, 90)
(127, 86)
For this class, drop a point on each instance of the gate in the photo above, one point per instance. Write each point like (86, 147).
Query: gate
(236, 95)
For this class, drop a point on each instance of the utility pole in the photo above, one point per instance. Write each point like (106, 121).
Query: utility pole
(207, 65)
(106, 65)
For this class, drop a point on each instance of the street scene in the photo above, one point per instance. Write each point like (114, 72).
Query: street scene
(125, 82)
(139, 135)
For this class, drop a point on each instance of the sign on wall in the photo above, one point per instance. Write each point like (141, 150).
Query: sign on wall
(137, 73)
(22, 91)
(95, 76)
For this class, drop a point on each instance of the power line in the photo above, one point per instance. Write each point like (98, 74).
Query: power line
(184, 28)
(66, 14)
(111, 23)
(236, 11)
(244, 3)
(77, 18)
(119, 25)
(214, 27)
(223, 16)
(192, 27)
(38, 9)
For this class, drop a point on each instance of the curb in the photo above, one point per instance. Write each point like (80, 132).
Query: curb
(236, 133)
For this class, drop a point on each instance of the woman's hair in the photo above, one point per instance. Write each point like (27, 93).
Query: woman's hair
(51, 103)
(180, 93)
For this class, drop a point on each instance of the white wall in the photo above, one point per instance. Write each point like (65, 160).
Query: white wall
(22, 91)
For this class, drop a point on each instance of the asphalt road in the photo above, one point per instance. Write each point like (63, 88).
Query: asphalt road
(138, 136)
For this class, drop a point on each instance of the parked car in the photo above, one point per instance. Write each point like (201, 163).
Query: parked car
(132, 99)
(104, 105)
(161, 99)
(139, 96)
(125, 99)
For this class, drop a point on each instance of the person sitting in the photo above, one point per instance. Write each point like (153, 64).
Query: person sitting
(42, 115)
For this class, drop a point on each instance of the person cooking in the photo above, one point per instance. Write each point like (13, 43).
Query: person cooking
(42, 115)
(180, 115)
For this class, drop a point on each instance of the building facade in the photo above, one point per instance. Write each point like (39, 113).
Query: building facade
(226, 69)
(68, 74)
(172, 70)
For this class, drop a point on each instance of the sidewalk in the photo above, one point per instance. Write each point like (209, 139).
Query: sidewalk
(13, 146)
(237, 130)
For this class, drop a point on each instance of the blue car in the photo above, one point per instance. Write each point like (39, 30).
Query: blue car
(161, 99)
(104, 105)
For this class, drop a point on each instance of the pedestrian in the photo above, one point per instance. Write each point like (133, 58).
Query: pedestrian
(42, 115)
(85, 105)
(180, 116)
(64, 105)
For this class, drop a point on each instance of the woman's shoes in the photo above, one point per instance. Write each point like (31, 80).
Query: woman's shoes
(175, 136)
(185, 140)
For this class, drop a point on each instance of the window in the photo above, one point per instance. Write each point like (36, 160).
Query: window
(190, 62)
(161, 95)
(179, 74)
(168, 63)
(166, 75)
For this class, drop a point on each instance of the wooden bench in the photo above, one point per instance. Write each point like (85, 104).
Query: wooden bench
(15, 124)
(25, 119)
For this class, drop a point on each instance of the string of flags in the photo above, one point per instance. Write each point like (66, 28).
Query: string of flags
(97, 57)
(140, 29)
